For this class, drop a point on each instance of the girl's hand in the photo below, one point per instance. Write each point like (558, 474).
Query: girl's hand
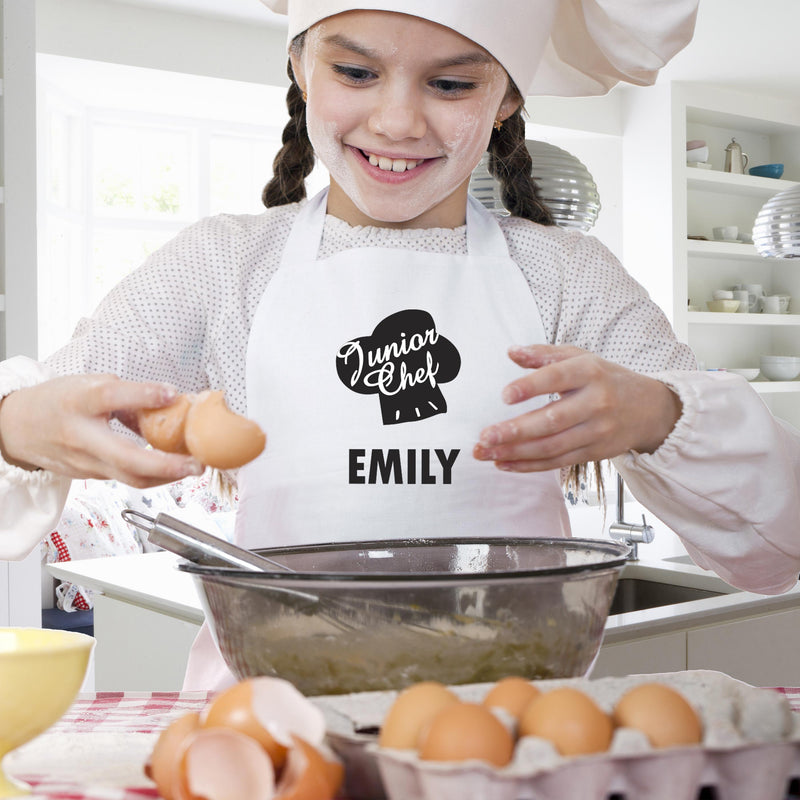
(603, 410)
(62, 425)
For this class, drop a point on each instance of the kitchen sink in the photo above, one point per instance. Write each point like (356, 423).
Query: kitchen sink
(636, 594)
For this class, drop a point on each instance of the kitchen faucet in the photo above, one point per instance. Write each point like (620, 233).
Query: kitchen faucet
(628, 532)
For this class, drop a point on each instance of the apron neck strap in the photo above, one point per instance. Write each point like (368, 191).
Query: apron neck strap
(485, 239)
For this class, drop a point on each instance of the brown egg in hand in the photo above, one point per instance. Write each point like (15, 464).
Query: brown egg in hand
(202, 425)
(218, 437)
(164, 427)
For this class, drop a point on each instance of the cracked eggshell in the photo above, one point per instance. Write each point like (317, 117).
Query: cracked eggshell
(162, 764)
(164, 427)
(270, 710)
(308, 774)
(223, 764)
(218, 437)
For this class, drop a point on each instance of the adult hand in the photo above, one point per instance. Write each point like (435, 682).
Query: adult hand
(62, 425)
(603, 410)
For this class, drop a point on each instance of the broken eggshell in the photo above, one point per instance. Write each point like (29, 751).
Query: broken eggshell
(203, 426)
(268, 710)
(230, 751)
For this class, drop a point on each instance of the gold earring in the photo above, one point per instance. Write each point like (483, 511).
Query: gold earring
(305, 96)
(498, 123)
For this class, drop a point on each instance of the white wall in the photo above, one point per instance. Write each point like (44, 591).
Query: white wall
(19, 581)
(143, 37)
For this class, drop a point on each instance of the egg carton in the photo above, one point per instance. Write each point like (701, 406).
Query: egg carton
(750, 749)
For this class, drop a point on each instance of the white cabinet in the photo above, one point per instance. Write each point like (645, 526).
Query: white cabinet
(763, 650)
(666, 202)
(664, 653)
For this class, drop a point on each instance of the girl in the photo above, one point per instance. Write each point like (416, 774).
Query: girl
(368, 329)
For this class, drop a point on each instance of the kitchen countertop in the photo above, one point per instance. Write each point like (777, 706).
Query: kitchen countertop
(729, 605)
(152, 581)
(149, 580)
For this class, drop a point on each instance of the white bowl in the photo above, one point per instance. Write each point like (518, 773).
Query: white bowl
(728, 306)
(697, 154)
(747, 374)
(780, 368)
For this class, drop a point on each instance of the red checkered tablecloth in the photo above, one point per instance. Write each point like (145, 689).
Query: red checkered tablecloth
(97, 750)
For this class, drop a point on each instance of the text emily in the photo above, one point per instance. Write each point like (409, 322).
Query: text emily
(397, 466)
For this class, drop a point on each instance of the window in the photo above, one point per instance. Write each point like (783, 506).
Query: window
(127, 158)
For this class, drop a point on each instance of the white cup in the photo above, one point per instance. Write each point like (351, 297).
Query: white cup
(756, 292)
(771, 304)
(743, 296)
(726, 233)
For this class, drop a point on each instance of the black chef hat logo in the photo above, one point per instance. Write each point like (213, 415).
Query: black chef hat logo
(404, 362)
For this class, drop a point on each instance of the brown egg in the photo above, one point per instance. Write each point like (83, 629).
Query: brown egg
(464, 731)
(511, 694)
(308, 775)
(268, 710)
(411, 712)
(163, 427)
(223, 764)
(163, 763)
(569, 719)
(218, 437)
(661, 713)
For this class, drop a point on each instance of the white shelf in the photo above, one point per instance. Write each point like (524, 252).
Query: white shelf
(715, 318)
(711, 249)
(775, 387)
(2, 302)
(711, 180)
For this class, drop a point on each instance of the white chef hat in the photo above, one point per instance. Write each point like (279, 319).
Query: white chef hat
(567, 48)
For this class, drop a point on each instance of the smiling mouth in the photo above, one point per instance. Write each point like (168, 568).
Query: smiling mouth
(391, 164)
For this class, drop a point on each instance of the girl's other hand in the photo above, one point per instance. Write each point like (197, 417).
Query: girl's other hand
(62, 425)
(602, 410)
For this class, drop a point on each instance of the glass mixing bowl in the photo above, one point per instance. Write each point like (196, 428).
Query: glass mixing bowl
(380, 615)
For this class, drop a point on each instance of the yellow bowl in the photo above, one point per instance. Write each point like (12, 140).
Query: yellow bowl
(41, 672)
(728, 306)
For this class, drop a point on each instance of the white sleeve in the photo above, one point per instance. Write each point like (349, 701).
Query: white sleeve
(31, 502)
(726, 481)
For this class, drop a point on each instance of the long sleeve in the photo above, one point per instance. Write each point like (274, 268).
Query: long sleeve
(727, 481)
(30, 502)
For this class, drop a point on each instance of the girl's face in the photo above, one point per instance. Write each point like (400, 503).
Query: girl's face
(400, 111)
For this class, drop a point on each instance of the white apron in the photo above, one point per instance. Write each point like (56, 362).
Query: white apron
(373, 373)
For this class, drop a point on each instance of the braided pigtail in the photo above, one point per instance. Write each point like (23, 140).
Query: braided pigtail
(510, 163)
(295, 159)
